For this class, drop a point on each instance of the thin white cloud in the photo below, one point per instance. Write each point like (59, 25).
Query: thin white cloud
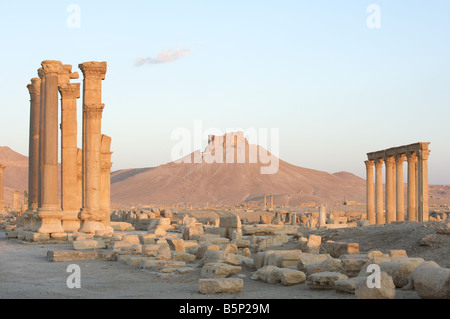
(163, 57)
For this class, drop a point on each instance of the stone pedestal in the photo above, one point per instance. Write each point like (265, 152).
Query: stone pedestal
(50, 211)
(92, 215)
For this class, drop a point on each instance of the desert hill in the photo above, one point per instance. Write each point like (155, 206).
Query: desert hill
(187, 181)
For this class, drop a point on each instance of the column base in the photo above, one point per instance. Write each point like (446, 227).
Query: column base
(70, 220)
(27, 220)
(50, 221)
(90, 226)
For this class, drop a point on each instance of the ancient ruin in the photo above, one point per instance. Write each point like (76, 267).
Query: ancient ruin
(84, 173)
(219, 249)
(417, 192)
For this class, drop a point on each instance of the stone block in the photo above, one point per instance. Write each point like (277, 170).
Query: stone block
(431, 281)
(122, 226)
(289, 277)
(386, 290)
(399, 271)
(203, 247)
(308, 259)
(88, 244)
(181, 256)
(220, 285)
(397, 253)
(346, 285)
(232, 221)
(352, 267)
(324, 280)
(176, 244)
(131, 239)
(336, 249)
(217, 256)
(327, 265)
(219, 270)
(190, 232)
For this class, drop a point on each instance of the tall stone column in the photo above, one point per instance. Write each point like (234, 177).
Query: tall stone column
(50, 212)
(36, 220)
(399, 159)
(69, 168)
(412, 159)
(2, 178)
(379, 205)
(91, 214)
(33, 151)
(390, 189)
(423, 185)
(105, 184)
(79, 177)
(370, 193)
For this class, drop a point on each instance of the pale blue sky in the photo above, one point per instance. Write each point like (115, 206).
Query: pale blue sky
(335, 88)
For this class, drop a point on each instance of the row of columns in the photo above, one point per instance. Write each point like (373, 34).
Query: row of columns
(416, 156)
(85, 173)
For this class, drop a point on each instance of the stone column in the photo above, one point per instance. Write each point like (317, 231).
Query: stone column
(370, 193)
(50, 212)
(41, 137)
(79, 177)
(390, 189)
(33, 152)
(105, 184)
(379, 191)
(423, 185)
(33, 147)
(399, 159)
(16, 201)
(69, 168)
(322, 216)
(412, 159)
(91, 213)
(2, 178)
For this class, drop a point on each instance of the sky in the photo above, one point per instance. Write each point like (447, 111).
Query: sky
(338, 79)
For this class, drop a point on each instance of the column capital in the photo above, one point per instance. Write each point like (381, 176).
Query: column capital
(35, 87)
(2, 166)
(423, 154)
(389, 160)
(411, 157)
(369, 164)
(51, 67)
(93, 69)
(93, 111)
(400, 158)
(65, 74)
(379, 162)
(70, 91)
(41, 73)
